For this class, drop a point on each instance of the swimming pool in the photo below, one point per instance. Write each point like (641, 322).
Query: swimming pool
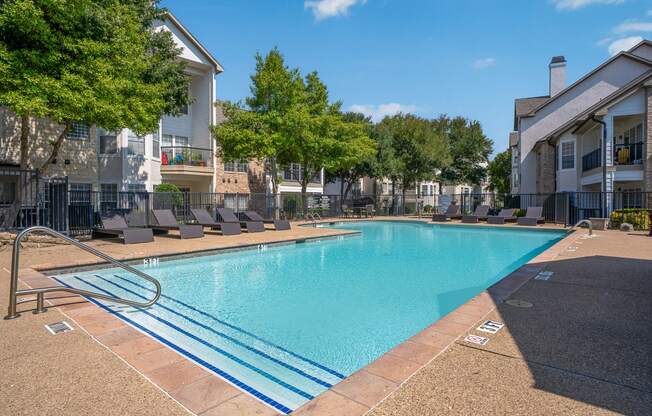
(285, 323)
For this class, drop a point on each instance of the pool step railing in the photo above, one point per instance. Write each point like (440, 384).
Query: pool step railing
(314, 217)
(14, 293)
(580, 222)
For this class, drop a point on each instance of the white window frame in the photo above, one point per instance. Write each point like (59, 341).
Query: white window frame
(79, 131)
(561, 155)
(156, 142)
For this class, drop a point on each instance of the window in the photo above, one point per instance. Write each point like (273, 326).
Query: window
(137, 187)
(424, 190)
(79, 131)
(185, 110)
(236, 166)
(156, 146)
(292, 172)
(108, 196)
(568, 155)
(80, 193)
(136, 145)
(108, 145)
(181, 141)
(7, 192)
(167, 140)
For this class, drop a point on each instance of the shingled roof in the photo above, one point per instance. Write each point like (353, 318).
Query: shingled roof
(523, 106)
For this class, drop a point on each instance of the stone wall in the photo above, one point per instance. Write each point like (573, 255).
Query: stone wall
(77, 159)
(7, 240)
(545, 178)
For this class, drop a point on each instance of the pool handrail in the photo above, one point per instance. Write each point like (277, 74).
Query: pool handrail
(580, 222)
(40, 292)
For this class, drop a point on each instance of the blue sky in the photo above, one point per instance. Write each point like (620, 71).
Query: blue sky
(459, 57)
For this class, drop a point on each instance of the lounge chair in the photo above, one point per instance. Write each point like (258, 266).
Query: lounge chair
(228, 216)
(481, 213)
(452, 212)
(346, 211)
(166, 221)
(205, 219)
(505, 215)
(278, 224)
(533, 216)
(114, 224)
(369, 210)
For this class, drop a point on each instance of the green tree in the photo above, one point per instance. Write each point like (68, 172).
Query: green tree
(170, 193)
(357, 153)
(414, 150)
(259, 131)
(469, 149)
(500, 172)
(95, 61)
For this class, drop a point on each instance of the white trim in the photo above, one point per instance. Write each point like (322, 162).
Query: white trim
(561, 155)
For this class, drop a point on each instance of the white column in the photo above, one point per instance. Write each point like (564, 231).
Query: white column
(609, 181)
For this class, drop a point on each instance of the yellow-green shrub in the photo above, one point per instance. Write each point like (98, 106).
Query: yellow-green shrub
(639, 218)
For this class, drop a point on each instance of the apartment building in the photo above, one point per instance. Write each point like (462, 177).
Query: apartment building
(181, 151)
(593, 135)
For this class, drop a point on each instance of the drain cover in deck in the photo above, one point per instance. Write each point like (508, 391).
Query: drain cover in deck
(58, 327)
(543, 275)
(519, 303)
(476, 339)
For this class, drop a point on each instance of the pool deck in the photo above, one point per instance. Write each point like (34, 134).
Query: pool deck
(584, 347)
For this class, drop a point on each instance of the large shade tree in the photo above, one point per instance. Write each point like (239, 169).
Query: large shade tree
(99, 62)
(500, 172)
(411, 149)
(94, 61)
(468, 147)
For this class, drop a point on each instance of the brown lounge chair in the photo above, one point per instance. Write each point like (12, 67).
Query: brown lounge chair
(114, 224)
(279, 225)
(228, 216)
(481, 213)
(166, 221)
(533, 216)
(205, 219)
(505, 215)
(453, 212)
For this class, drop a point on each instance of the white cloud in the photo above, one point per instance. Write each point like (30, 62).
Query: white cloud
(623, 44)
(323, 9)
(484, 63)
(377, 112)
(633, 26)
(578, 4)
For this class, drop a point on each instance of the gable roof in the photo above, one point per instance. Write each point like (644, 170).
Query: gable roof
(607, 101)
(523, 106)
(216, 65)
(579, 81)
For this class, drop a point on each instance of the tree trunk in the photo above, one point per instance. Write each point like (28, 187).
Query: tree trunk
(55, 148)
(24, 141)
(273, 173)
(341, 192)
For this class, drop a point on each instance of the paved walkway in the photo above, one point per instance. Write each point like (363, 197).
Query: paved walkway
(584, 347)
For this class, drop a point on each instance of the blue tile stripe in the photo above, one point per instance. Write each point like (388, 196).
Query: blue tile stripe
(213, 347)
(191, 356)
(225, 336)
(236, 328)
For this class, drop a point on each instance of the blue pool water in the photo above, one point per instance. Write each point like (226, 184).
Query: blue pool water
(285, 323)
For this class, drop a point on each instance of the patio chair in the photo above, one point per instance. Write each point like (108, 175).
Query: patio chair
(346, 211)
(481, 213)
(370, 210)
(228, 216)
(205, 219)
(505, 215)
(452, 212)
(166, 221)
(114, 224)
(533, 216)
(279, 225)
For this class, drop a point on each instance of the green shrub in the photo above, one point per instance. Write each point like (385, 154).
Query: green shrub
(639, 218)
(519, 212)
(427, 208)
(170, 190)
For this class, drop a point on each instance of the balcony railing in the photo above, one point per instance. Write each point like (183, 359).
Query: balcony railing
(628, 154)
(592, 160)
(186, 156)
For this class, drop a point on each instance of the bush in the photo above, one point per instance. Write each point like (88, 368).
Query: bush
(427, 208)
(172, 190)
(519, 212)
(639, 218)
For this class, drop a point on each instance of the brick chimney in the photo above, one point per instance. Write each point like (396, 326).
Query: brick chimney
(557, 69)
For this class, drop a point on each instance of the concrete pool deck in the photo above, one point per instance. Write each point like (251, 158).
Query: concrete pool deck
(72, 373)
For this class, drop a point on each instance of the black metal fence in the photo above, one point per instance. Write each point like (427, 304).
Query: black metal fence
(50, 203)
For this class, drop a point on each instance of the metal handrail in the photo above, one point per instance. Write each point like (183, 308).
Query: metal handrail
(40, 292)
(584, 222)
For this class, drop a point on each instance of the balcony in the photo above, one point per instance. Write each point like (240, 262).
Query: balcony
(186, 160)
(628, 154)
(592, 160)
